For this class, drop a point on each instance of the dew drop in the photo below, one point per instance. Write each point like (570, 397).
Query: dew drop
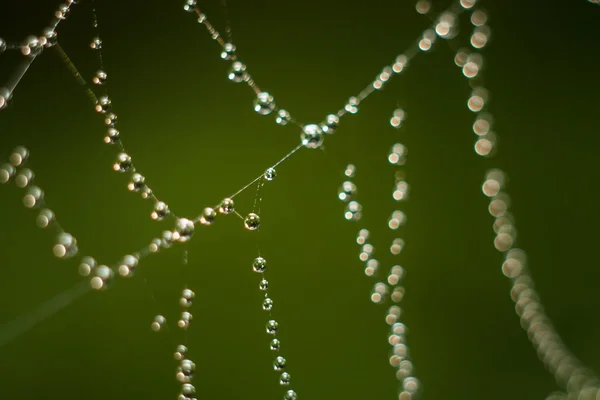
(270, 174)
(259, 264)
(279, 363)
(267, 304)
(272, 327)
(252, 222)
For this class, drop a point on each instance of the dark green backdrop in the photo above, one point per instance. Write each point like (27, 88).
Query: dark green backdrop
(195, 137)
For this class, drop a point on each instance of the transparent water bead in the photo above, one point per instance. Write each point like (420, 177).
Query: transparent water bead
(128, 264)
(259, 265)
(397, 219)
(272, 327)
(100, 78)
(350, 171)
(398, 117)
(112, 136)
(290, 395)
(363, 236)
(270, 174)
(346, 191)
(123, 163)
(252, 222)
(228, 52)
(397, 246)
(401, 192)
(283, 117)
(187, 390)
(446, 25)
(189, 5)
(480, 36)
(263, 285)
(397, 154)
(45, 218)
(50, 37)
(237, 72)
(66, 245)
(279, 363)
(103, 105)
(62, 11)
(161, 210)
(353, 211)
(19, 156)
(24, 177)
(312, 136)
(184, 230)
(86, 266)
(208, 216)
(227, 206)
(32, 47)
(33, 196)
(96, 43)
(187, 297)
(167, 239)
(180, 352)
(188, 367)
(352, 106)
(137, 183)
(275, 345)
(264, 103)
(330, 124)
(103, 276)
(3, 45)
(110, 120)
(267, 304)
(158, 323)
(5, 96)
(184, 320)
(284, 379)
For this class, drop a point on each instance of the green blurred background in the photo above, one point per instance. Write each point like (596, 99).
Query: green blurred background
(195, 137)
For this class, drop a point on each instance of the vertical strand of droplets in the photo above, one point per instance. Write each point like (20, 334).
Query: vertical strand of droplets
(400, 358)
(579, 382)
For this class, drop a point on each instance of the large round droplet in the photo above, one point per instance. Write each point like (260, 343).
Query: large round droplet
(227, 206)
(267, 304)
(263, 285)
(100, 78)
(237, 72)
(103, 105)
(270, 174)
(123, 163)
(275, 345)
(272, 327)
(208, 216)
(279, 363)
(103, 276)
(228, 52)
(252, 222)
(161, 210)
(259, 265)
(184, 229)
(312, 136)
(290, 395)
(330, 124)
(264, 103)
(66, 245)
(284, 379)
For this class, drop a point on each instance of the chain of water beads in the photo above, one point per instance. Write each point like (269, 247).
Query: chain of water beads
(32, 47)
(312, 135)
(569, 372)
(259, 265)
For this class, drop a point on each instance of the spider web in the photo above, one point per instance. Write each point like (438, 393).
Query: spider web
(327, 311)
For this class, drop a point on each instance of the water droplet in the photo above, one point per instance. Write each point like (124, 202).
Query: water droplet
(24, 177)
(347, 191)
(103, 105)
(263, 285)
(190, 5)
(353, 211)
(237, 72)
(208, 216)
(19, 156)
(112, 136)
(161, 210)
(264, 103)
(33, 196)
(96, 43)
(259, 264)
(312, 136)
(66, 245)
(187, 296)
(228, 52)
(267, 304)
(32, 47)
(290, 395)
(275, 344)
(7, 171)
(180, 352)
(86, 266)
(330, 124)
(103, 276)
(270, 174)
(110, 120)
(62, 12)
(279, 363)
(252, 222)
(187, 389)
(100, 78)
(284, 379)
(272, 327)
(283, 117)
(184, 229)
(226, 206)
(123, 163)
(45, 218)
